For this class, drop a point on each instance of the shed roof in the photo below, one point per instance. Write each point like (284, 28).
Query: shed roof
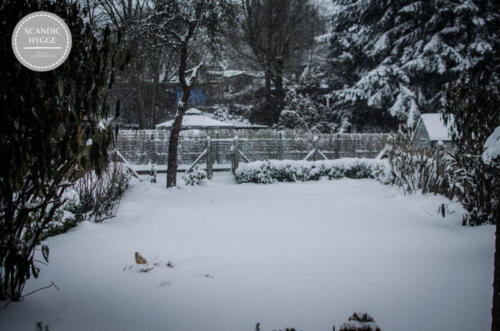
(435, 127)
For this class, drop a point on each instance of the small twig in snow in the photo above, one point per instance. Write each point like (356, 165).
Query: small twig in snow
(44, 263)
(52, 284)
(6, 304)
(426, 211)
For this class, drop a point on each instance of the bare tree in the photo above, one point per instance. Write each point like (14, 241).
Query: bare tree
(279, 34)
(120, 13)
(276, 36)
(189, 29)
(151, 62)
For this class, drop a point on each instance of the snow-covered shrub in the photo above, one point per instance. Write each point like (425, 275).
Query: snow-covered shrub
(417, 168)
(267, 172)
(290, 172)
(261, 172)
(358, 171)
(354, 171)
(62, 221)
(360, 322)
(265, 175)
(97, 197)
(233, 112)
(304, 107)
(152, 174)
(336, 173)
(194, 177)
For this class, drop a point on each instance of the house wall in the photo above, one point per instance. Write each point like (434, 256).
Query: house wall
(198, 96)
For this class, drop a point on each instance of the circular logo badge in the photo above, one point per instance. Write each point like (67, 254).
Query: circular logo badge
(41, 41)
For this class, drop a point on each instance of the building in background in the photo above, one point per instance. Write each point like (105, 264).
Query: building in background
(431, 130)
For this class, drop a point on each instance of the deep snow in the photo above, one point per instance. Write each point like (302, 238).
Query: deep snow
(305, 255)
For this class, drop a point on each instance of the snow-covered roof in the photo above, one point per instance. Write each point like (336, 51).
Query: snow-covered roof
(435, 127)
(231, 73)
(195, 119)
(194, 111)
(492, 146)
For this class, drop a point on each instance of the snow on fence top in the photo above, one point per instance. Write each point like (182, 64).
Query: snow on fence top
(144, 148)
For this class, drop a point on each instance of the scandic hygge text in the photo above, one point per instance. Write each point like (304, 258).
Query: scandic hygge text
(40, 36)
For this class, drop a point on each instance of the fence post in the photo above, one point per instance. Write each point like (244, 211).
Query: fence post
(315, 148)
(280, 146)
(151, 149)
(236, 154)
(217, 154)
(208, 158)
(337, 146)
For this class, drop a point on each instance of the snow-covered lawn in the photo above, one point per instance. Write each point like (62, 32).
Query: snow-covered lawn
(305, 255)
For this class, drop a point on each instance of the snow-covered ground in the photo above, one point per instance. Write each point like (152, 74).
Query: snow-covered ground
(305, 255)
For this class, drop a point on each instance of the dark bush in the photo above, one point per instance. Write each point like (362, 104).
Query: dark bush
(47, 121)
(473, 105)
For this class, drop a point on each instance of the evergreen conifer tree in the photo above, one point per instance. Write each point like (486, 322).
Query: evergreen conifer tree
(393, 59)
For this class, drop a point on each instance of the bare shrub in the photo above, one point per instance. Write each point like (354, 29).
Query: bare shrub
(417, 168)
(97, 197)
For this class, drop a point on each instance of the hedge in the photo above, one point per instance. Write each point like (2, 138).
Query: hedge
(267, 172)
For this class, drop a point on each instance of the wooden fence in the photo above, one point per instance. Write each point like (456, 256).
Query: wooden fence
(144, 148)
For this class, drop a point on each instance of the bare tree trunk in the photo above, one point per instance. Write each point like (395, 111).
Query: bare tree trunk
(268, 76)
(141, 108)
(495, 325)
(153, 102)
(173, 142)
(156, 84)
(186, 93)
(279, 77)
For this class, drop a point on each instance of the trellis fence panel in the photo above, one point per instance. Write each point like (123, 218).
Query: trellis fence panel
(144, 148)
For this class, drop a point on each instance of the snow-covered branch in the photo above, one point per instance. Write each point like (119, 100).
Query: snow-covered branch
(194, 72)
